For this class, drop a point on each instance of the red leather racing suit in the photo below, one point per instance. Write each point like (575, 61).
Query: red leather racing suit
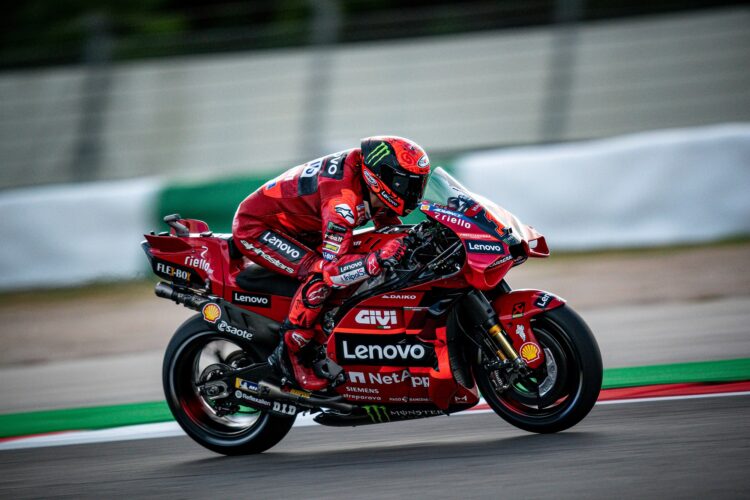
(300, 224)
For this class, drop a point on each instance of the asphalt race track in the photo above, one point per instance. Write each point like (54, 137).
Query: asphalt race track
(660, 449)
(643, 311)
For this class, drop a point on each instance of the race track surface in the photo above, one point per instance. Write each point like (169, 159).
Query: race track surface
(661, 449)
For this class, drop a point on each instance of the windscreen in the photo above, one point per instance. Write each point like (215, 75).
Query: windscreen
(444, 190)
(442, 187)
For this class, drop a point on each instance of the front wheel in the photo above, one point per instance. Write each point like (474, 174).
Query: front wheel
(196, 355)
(561, 392)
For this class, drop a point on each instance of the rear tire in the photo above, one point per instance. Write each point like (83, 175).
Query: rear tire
(564, 390)
(235, 434)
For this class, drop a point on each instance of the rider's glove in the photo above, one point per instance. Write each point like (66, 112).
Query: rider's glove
(391, 253)
(347, 270)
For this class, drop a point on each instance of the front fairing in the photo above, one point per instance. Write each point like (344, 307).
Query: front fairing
(494, 239)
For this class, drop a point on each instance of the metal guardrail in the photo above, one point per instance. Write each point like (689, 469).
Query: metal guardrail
(263, 111)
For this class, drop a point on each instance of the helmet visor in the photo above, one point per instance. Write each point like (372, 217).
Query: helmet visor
(409, 187)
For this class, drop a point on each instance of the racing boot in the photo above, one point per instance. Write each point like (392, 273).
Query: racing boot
(279, 358)
(279, 361)
(286, 360)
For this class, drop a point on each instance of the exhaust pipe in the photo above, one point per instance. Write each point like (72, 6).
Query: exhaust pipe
(189, 300)
(275, 393)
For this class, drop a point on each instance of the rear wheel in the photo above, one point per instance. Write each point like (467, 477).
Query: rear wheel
(196, 355)
(563, 390)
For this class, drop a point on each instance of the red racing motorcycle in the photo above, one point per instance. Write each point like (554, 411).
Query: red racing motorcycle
(425, 338)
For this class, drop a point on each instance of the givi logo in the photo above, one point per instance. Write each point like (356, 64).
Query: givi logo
(380, 318)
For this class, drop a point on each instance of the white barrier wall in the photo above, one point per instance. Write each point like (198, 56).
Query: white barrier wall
(66, 235)
(247, 113)
(647, 189)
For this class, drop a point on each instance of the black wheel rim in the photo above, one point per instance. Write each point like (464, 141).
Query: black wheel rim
(189, 363)
(552, 389)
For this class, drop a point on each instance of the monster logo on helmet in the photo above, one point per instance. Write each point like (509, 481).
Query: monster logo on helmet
(377, 154)
(395, 170)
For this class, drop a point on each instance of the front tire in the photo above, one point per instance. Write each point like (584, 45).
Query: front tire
(561, 392)
(192, 353)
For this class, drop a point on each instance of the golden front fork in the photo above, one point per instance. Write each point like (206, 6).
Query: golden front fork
(506, 350)
(477, 306)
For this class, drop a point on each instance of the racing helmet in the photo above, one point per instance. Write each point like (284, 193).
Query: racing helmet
(395, 170)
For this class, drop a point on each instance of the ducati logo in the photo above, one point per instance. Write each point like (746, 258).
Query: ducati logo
(379, 318)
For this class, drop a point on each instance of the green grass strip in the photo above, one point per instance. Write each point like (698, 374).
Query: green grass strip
(731, 370)
(102, 417)
(97, 417)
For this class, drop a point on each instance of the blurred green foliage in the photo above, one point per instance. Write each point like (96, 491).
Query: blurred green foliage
(41, 32)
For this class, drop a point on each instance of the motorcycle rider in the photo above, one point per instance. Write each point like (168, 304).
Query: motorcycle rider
(300, 224)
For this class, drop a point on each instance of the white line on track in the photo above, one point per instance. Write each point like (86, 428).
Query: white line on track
(673, 398)
(171, 429)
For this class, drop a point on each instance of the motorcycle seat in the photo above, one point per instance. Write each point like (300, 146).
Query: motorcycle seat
(255, 278)
(234, 251)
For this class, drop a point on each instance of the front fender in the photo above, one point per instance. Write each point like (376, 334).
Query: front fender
(515, 310)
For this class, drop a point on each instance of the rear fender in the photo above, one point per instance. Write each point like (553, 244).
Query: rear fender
(194, 262)
(515, 310)
(167, 244)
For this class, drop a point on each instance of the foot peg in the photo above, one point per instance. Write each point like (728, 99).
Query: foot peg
(330, 370)
(325, 372)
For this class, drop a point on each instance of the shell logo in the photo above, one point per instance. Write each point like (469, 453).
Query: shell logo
(530, 352)
(211, 312)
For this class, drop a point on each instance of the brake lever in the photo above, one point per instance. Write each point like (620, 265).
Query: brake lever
(413, 242)
(389, 267)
